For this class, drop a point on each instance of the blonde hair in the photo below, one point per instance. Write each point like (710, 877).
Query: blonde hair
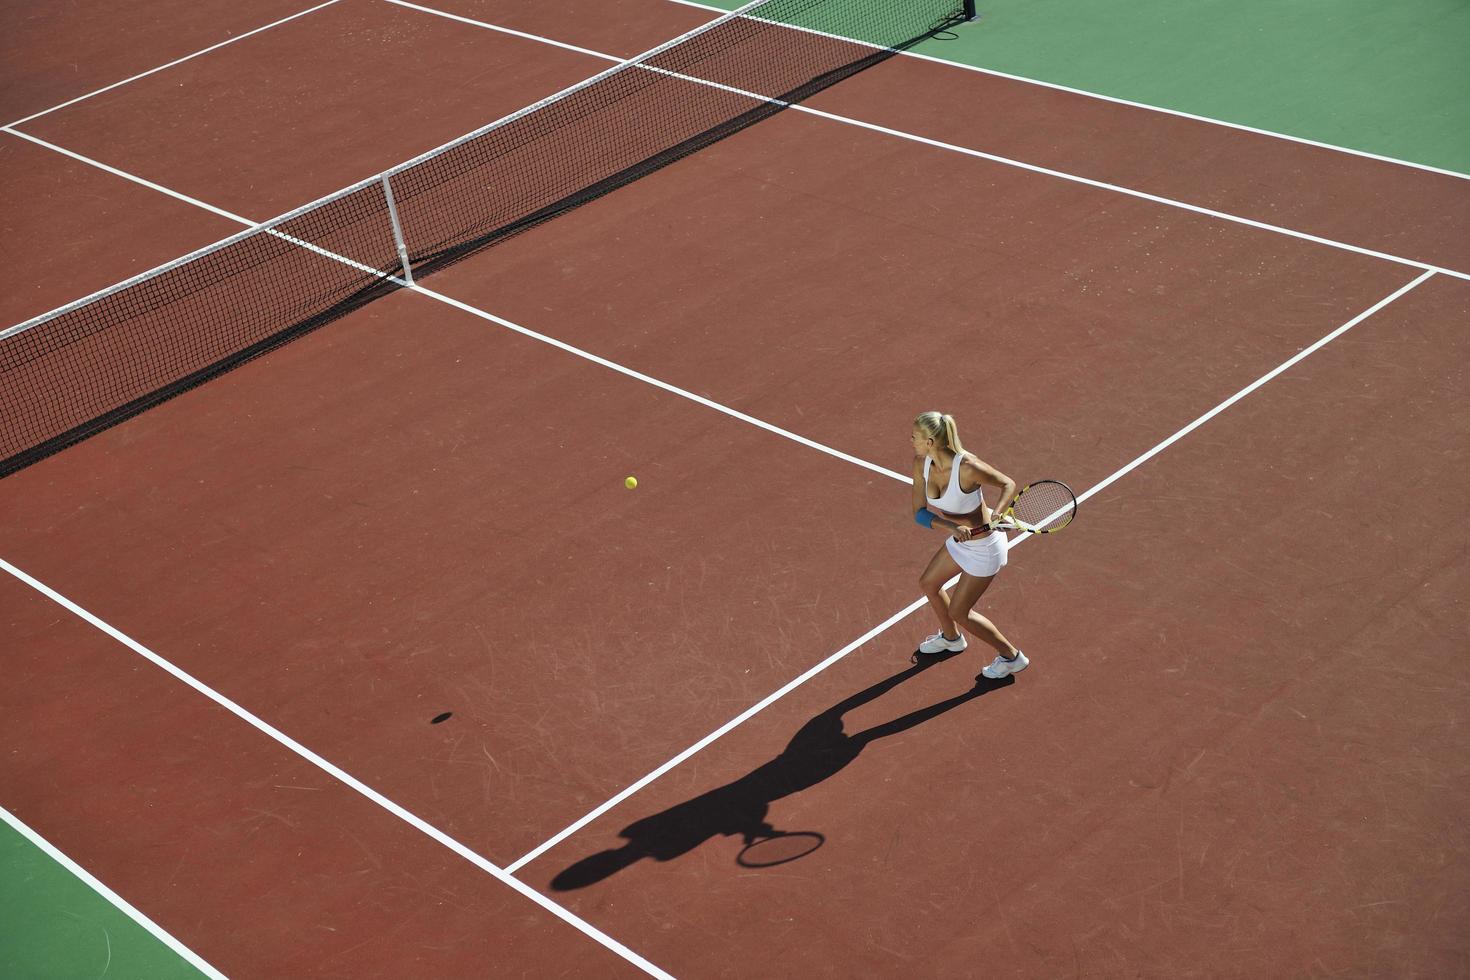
(941, 429)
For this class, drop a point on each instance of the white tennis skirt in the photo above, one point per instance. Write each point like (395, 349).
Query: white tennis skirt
(979, 556)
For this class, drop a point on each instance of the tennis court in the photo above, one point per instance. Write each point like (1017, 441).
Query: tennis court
(336, 645)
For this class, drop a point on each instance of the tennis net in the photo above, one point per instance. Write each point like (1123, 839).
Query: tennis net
(77, 370)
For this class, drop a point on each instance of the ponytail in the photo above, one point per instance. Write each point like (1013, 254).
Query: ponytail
(952, 435)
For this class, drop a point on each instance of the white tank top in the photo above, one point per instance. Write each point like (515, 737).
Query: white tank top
(953, 500)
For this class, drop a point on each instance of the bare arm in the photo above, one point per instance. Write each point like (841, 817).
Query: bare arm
(988, 476)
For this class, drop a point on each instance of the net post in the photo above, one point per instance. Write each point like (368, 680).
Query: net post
(970, 12)
(397, 231)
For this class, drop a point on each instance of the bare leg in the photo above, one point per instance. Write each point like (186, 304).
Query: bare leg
(961, 609)
(941, 569)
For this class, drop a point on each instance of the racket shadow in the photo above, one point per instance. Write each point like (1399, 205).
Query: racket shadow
(819, 750)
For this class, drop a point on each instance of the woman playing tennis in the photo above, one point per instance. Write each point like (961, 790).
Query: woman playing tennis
(947, 496)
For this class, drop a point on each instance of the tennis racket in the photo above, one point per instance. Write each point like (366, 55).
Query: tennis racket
(1043, 507)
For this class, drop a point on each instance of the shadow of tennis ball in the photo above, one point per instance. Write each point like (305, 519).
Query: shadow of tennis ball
(441, 718)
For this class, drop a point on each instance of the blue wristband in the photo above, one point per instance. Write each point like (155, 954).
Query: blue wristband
(924, 517)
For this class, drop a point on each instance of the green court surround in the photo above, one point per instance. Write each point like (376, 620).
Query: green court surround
(54, 926)
(1387, 78)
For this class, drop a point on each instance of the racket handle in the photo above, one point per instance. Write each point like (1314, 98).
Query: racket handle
(985, 529)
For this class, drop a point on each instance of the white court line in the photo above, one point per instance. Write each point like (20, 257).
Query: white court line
(1194, 117)
(979, 154)
(179, 61)
(1306, 352)
(1141, 195)
(126, 176)
(739, 719)
(919, 603)
(352, 782)
(157, 931)
(511, 31)
(666, 386)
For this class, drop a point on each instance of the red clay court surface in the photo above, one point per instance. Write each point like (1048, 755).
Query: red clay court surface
(1240, 750)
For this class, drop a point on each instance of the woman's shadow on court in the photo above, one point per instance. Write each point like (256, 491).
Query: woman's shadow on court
(818, 750)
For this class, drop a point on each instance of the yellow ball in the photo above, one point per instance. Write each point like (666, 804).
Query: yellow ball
(630, 482)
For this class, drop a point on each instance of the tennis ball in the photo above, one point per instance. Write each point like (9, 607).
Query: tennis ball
(630, 482)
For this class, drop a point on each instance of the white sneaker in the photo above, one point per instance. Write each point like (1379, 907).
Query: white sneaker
(1001, 667)
(939, 643)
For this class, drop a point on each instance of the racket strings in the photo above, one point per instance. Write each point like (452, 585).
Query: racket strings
(1046, 506)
